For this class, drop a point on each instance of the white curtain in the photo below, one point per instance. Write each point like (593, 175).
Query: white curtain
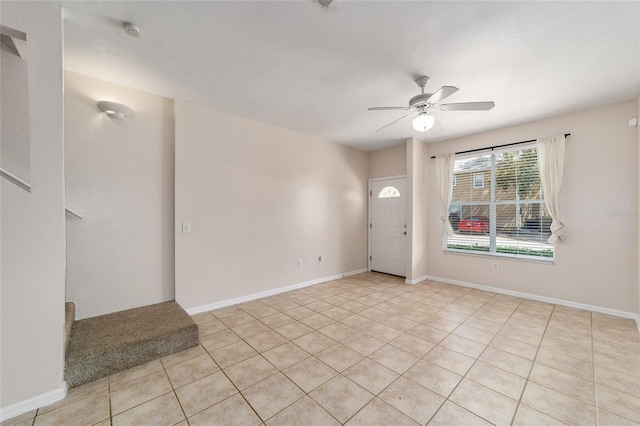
(551, 166)
(444, 173)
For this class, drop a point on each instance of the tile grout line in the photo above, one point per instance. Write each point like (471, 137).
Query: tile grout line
(446, 399)
(533, 364)
(472, 365)
(173, 389)
(229, 379)
(110, 407)
(340, 373)
(307, 394)
(279, 371)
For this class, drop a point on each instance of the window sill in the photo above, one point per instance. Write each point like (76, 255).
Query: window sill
(533, 259)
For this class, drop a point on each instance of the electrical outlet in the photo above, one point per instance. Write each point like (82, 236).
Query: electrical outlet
(299, 263)
(496, 266)
(186, 227)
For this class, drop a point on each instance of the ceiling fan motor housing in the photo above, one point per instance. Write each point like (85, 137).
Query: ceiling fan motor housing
(420, 100)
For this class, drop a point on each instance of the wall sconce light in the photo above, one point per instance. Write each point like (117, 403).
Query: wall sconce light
(114, 109)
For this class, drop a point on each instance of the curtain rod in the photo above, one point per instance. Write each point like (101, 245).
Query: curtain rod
(498, 146)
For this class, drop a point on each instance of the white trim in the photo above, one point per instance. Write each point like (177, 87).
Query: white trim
(518, 257)
(31, 404)
(474, 180)
(637, 319)
(387, 178)
(417, 280)
(583, 306)
(254, 296)
(72, 212)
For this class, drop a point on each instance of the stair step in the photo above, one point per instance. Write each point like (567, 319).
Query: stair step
(107, 344)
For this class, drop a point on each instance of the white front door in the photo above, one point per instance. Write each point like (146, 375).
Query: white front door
(388, 227)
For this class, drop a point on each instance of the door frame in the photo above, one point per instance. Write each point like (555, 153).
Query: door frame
(369, 223)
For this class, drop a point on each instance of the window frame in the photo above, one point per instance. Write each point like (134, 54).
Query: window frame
(474, 180)
(391, 192)
(492, 204)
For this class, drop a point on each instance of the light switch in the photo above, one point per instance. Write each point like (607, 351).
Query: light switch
(186, 227)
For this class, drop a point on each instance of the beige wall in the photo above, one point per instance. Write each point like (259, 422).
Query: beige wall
(638, 225)
(416, 210)
(33, 227)
(260, 198)
(388, 162)
(119, 176)
(596, 265)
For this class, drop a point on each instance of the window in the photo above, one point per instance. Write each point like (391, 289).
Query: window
(389, 192)
(508, 217)
(478, 180)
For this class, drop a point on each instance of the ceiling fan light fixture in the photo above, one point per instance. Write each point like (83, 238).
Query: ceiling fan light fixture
(423, 122)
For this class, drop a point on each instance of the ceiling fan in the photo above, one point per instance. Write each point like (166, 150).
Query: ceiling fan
(423, 104)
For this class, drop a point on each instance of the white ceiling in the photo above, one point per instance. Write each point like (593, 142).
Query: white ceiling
(316, 71)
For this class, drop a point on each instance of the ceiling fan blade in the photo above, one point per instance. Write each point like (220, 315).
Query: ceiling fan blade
(441, 94)
(395, 121)
(468, 106)
(437, 127)
(389, 109)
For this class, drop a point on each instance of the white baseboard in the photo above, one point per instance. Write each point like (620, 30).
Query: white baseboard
(583, 306)
(250, 297)
(31, 404)
(417, 280)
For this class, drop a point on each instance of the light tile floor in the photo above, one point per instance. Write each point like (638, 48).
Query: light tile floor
(372, 350)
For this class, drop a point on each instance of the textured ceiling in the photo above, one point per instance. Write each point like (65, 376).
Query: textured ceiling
(316, 71)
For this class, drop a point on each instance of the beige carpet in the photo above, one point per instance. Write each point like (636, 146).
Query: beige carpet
(107, 344)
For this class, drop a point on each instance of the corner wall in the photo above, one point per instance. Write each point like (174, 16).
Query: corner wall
(119, 176)
(417, 203)
(597, 264)
(258, 199)
(33, 227)
(388, 162)
(638, 224)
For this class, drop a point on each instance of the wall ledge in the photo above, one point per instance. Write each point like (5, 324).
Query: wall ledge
(262, 294)
(529, 296)
(36, 402)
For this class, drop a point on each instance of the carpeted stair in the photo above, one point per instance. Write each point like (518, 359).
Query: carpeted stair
(107, 344)
(69, 317)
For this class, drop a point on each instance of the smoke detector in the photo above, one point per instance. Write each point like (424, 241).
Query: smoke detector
(132, 29)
